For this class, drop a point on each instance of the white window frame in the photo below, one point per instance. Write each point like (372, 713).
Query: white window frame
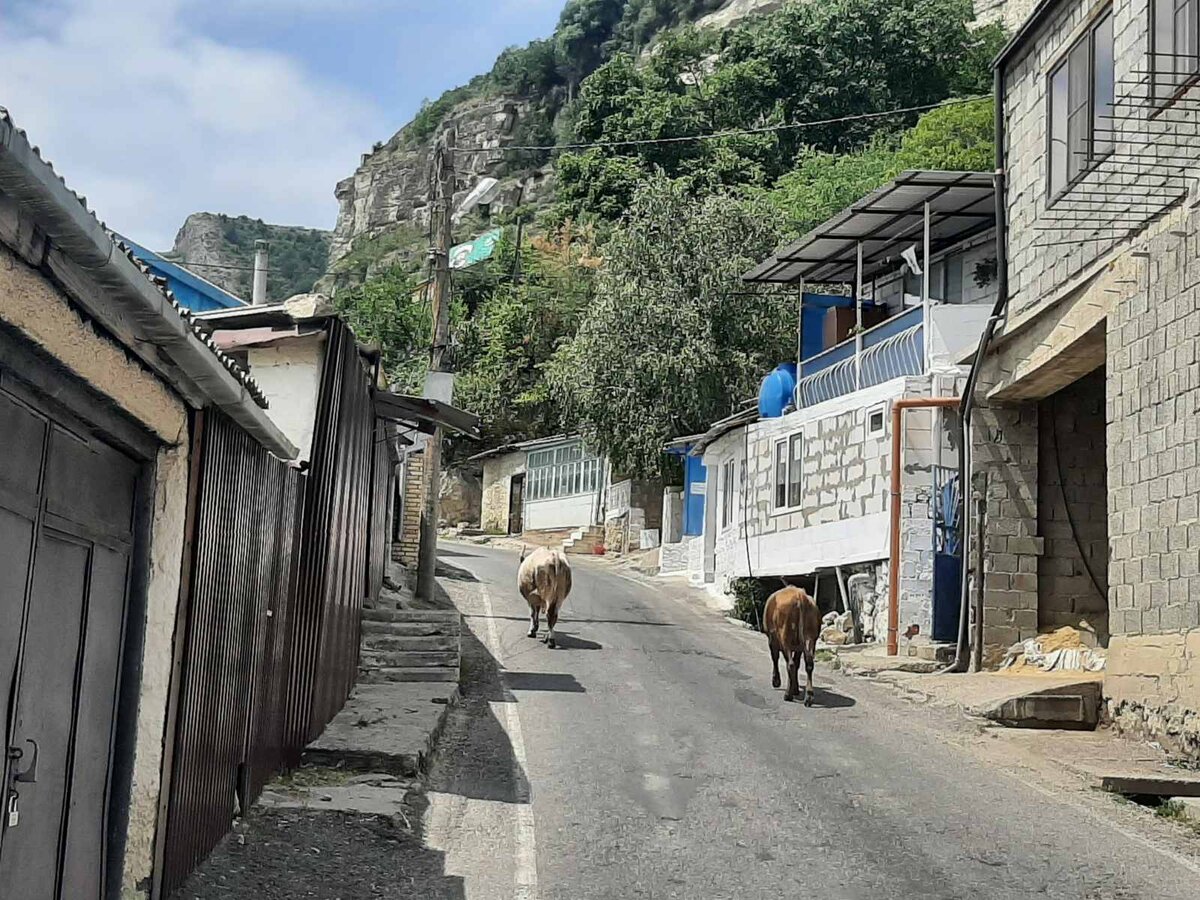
(793, 473)
(554, 473)
(882, 410)
(728, 473)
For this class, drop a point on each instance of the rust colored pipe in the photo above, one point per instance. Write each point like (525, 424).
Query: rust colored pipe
(898, 408)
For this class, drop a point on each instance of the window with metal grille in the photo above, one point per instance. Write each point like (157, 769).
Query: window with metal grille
(1174, 47)
(1080, 95)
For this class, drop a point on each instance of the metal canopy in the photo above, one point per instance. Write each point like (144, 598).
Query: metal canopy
(960, 206)
(721, 428)
(425, 414)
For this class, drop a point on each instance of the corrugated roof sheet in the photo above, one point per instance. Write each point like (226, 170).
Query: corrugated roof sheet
(234, 368)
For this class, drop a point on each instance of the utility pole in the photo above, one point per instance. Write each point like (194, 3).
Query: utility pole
(442, 177)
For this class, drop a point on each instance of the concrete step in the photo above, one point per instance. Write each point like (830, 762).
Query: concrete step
(410, 615)
(409, 629)
(427, 642)
(407, 658)
(419, 673)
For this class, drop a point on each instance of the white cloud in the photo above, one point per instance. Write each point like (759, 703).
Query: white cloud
(152, 121)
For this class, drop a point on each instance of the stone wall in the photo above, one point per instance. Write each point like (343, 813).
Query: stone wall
(497, 483)
(405, 551)
(673, 558)
(1073, 509)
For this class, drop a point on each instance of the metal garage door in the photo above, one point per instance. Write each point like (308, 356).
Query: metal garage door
(66, 539)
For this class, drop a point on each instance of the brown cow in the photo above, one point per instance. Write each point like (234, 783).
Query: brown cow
(792, 623)
(544, 580)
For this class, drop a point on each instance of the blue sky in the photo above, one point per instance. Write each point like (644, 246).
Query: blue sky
(158, 108)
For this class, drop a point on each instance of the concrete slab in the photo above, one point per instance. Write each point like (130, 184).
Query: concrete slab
(388, 728)
(872, 659)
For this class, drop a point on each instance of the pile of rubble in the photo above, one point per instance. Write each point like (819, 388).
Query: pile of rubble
(837, 628)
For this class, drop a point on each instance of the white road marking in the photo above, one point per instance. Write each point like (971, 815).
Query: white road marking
(524, 831)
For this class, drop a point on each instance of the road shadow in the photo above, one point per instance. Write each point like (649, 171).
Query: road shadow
(474, 756)
(561, 682)
(828, 699)
(455, 553)
(574, 619)
(568, 641)
(278, 854)
(454, 573)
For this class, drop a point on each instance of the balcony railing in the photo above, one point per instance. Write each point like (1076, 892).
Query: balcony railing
(889, 350)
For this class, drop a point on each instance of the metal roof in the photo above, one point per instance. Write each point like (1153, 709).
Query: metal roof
(885, 221)
(722, 427)
(132, 303)
(533, 444)
(425, 413)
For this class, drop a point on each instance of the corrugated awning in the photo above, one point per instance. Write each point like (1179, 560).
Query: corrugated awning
(885, 222)
(721, 428)
(425, 414)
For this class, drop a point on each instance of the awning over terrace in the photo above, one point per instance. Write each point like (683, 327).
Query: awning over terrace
(961, 204)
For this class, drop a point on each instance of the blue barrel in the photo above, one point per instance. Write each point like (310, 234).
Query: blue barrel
(775, 394)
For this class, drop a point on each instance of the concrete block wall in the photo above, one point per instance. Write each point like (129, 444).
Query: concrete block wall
(1153, 406)
(1043, 265)
(406, 549)
(1005, 447)
(673, 558)
(1073, 509)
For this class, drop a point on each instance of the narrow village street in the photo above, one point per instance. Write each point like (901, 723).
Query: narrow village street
(649, 757)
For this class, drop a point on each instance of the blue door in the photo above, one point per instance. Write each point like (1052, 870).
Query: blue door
(694, 483)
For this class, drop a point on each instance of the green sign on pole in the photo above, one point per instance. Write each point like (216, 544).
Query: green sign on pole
(476, 251)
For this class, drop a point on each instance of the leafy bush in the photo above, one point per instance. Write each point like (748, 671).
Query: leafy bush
(749, 599)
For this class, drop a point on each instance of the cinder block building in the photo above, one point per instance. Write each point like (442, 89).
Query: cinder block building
(1089, 396)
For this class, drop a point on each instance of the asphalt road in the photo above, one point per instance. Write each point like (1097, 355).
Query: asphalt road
(649, 757)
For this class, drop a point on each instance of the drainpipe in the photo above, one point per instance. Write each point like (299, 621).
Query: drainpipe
(898, 408)
(968, 404)
(258, 296)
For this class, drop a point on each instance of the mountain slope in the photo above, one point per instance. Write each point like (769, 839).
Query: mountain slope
(384, 206)
(221, 249)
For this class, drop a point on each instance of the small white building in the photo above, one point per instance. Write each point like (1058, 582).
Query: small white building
(547, 484)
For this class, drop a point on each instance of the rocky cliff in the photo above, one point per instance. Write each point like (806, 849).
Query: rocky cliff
(383, 208)
(221, 249)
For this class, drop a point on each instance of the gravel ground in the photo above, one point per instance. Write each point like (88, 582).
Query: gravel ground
(323, 855)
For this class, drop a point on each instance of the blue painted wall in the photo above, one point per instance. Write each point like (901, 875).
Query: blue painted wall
(192, 291)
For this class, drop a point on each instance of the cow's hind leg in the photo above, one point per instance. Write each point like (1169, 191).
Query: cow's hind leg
(793, 672)
(810, 651)
(774, 663)
(551, 621)
(534, 609)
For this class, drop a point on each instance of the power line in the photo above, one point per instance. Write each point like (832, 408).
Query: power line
(734, 132)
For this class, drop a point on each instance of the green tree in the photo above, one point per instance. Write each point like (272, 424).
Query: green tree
(807, 62)
(672, 340)
(389, 312)
(953, 138)
(514, 329)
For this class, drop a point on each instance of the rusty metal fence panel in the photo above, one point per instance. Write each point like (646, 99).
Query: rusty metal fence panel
(241, 587)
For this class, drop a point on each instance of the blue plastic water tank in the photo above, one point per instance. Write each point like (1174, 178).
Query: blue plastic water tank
(776, 391)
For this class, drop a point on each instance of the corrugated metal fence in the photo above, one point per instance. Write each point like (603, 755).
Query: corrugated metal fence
(333, 561)
(267, 649)
(238, 607)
